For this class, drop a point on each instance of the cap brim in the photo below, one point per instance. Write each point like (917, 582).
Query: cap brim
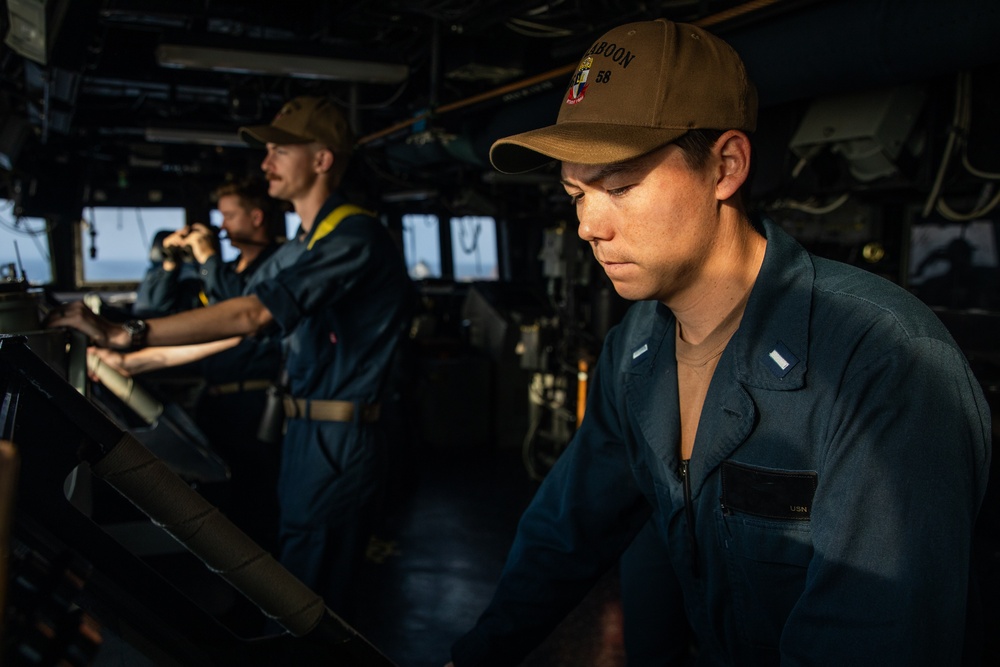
(582, 143)
(259, 135)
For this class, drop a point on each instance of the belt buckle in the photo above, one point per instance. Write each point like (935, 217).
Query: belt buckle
(295, 413)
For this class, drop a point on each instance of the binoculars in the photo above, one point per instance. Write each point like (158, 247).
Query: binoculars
(180, 254)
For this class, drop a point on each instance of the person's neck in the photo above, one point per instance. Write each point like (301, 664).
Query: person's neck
(248, 253)
(724, 282)
(308, 206)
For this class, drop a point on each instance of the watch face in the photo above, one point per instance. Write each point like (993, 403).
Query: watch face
(136, 329)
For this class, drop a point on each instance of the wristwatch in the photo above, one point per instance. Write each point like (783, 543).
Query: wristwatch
(137, 330)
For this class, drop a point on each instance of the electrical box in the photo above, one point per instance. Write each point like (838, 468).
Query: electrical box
(869, 128)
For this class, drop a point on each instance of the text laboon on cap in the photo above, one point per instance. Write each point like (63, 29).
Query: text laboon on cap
(616, 53)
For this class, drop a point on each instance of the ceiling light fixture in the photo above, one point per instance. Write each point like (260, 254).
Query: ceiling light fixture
(167, 135)
(278, 64)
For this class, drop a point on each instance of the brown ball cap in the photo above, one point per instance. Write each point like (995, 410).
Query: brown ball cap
(304, 120)
(639, 87)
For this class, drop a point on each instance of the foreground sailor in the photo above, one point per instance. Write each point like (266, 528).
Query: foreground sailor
(805, 437)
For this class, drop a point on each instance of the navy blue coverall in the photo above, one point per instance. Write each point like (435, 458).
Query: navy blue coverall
(342, 307)
(826, 516)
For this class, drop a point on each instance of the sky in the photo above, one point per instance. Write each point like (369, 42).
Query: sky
(23, 239)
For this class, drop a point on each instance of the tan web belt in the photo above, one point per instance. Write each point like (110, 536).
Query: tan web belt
(237, 387)
(330, 411)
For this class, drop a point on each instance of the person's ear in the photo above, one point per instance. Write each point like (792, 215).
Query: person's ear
(257, 217)
(733, 150)
(323, 160)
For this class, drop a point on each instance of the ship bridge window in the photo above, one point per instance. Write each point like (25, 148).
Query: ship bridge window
(24, 247)
(954, 264)
(474, 248)
(292, 224)
(422, 245)
(115, 241)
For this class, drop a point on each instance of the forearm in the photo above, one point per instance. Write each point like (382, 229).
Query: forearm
(155, 358)
(234, 317)
(582, 518)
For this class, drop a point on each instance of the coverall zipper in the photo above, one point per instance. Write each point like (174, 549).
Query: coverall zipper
(689, 516)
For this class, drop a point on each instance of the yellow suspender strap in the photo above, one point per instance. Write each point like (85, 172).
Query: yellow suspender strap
(331, 221)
